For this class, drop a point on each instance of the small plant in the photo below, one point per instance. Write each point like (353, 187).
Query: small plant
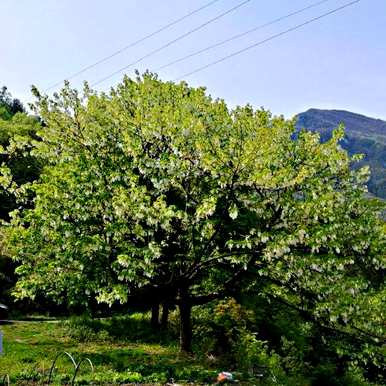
(81, 329)
(110, 377)
(29, 374)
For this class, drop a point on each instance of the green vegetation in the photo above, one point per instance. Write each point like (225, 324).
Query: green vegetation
(30, 348)
(364, 135)
(126, 349)
(260, 246)
(15, 124)
(9, 106)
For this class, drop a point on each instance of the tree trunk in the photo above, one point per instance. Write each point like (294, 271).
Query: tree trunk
(185, 308)
(154, 322)
(165, 315)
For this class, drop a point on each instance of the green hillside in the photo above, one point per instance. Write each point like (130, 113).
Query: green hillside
(363, 135)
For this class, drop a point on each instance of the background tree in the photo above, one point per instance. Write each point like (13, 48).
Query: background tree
(158, 187)
(16, 126)
(9, 106)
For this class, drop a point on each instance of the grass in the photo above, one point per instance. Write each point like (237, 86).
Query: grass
(31, 346)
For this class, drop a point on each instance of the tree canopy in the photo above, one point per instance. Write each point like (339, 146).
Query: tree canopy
(9, 106)
(19, 168)
(157, 187)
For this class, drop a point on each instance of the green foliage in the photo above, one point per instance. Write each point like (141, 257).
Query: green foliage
(363, 136)
(80, 330)
(255, 358)
(30, 347)
(225, 332)
(218, 327)
(159, 192)
(129, 328)
(18, 167)
(110, 377)
(273, 342)
(8, 105)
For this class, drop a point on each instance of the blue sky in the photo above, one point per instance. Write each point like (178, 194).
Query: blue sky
(338, 62)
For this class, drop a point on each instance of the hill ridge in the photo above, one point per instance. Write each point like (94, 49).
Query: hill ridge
(363, 135)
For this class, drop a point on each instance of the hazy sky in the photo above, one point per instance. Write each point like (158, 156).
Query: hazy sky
(337, 62)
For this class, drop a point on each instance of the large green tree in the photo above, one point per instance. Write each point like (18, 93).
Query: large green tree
(156, 187)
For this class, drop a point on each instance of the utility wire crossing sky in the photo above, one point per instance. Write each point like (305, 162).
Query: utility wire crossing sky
(240, 35)
(133, 44)
(233, 54)
(338, 62)
(178, 38)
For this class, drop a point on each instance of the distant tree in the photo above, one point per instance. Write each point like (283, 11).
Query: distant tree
(9, 106)
(158, 187)
(15, 126)
(16, 135)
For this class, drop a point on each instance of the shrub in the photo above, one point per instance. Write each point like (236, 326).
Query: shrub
(81, 329)
(226, 329)
(135, 328)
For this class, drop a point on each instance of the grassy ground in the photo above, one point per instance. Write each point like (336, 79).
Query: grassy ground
(31, 346)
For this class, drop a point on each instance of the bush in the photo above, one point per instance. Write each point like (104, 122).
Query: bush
(218, 326)
(132, 328)
(265, 340)
(81, 329)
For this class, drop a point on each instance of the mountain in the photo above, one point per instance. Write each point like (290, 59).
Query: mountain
(363, 135)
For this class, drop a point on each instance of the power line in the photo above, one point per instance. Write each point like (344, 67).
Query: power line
(190, 32)
(234, 37)
(266, 40)
(146, 37)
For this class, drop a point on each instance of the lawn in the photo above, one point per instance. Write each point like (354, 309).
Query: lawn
(31, 346)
